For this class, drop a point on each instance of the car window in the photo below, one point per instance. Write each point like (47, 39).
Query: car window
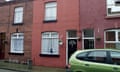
(81, 56)
(115, 56)
(97, 56)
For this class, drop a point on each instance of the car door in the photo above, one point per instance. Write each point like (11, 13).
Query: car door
(96, 61)
(115, 61)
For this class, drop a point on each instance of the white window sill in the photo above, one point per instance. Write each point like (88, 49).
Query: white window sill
(113, 16)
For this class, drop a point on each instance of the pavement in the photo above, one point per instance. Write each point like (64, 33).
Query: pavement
(13, 67)
(3, 70)
(34, 69)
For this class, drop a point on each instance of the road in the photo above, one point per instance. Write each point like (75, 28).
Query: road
(2, 70)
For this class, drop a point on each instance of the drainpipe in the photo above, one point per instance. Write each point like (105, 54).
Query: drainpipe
(79, 28)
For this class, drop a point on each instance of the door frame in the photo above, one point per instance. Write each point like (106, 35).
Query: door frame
(67, 61)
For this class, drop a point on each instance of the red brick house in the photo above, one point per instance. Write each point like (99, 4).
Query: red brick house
(100, 23)
(55, 32)
(15, 30)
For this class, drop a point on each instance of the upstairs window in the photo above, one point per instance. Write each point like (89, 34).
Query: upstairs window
(50, 11)
(18, 15)
(113, 7)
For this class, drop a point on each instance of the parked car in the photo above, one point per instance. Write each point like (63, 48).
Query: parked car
(95, 60)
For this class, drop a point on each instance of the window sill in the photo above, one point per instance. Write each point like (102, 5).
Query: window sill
(112, 16)
(48, 55)
(17, 23)
(16, 53)
(49, 21)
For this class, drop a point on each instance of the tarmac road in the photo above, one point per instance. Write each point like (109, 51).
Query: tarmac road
(2, 70)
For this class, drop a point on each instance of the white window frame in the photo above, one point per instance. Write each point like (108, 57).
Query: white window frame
(90, 38)
(19, 46)
(47, 46)
(116, 37)
(115, 10)
(50, 11)
(8, 0)
(18, 15)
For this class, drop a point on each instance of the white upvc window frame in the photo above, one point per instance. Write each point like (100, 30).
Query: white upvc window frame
(89, 38)
(17, 46)
(116, 37)
(50, 11)
(112, 7)
(8, 0)
(50, 42)
(18, 15)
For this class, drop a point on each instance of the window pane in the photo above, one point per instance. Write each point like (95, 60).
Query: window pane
(55, 45)
(88, 33)
(110, 45)
(88, 43)
(113, 45)
(119, 36)
(113, 7)
(45, 35)
(50, 43)
(54, 34)
(48, 12)
(110, 2)
(72, 33)
(117, 45)
(17, 42)
(45, 46)
(110, 36)
(51, 11)
(18, 17)
(115, 58)
(51, 4)
(18, 45)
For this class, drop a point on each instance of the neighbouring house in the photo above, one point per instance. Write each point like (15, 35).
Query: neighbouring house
(16, 18)
(100, 23)
(56, 31)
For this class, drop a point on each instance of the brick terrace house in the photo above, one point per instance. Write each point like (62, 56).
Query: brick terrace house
(15, 30)
(55, 32)
(100, 23)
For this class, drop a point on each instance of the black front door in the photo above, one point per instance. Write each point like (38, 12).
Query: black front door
(72, 46)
